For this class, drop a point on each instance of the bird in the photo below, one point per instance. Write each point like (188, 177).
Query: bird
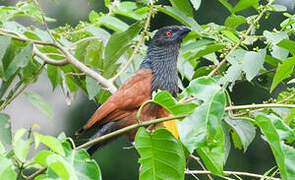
(158, 71)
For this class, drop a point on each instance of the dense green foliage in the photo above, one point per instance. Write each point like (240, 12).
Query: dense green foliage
(93, 57)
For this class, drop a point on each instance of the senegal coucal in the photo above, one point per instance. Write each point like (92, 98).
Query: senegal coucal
(157, 71)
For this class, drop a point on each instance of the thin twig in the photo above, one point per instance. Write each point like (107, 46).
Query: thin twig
(37, 173)
(141, 40)
(44, 21)
(4, 32)
(127, 129)
(240, 41)
(201, 164)
(233, 173)
(82, 67)
(254, 106)
(48, 60)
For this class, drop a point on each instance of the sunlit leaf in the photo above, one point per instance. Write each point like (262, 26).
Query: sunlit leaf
(281, 152)
(181, 17)
(202, 130)
(7, 169)
(196, 4)
(234, 20)
(161, 155)
(53, 143)
(183, 6)
(113, 23)
(21, 146)
(244, 4)
(284, 71)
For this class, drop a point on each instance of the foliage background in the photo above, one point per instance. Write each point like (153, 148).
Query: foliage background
(258, 157)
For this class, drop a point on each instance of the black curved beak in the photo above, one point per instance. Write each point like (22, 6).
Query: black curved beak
(184, 31)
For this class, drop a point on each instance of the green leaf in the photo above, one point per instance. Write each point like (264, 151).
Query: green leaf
(273, 138)
(181, 17)
(4, 44)
(289, 153)
(56, 163)
(283, 130)
(5, 129)
(183, 6)
(244, 4)
(113, 23)
(288, 44)
(92, 87)
(230, 35)
(20, 60)
(40, 103)
(244, 130)
(227, 5)
(129, 9)
(86, 168)
(53, 143)
(98, 32)
(284, 71)
(208, 50)
(214, 156)
(196, 3)
(7, 169)
(234, 20)
(279, 8)
(202, 130)
(161, 155)
(253, 62)
(165, 99)
(54, 75)
(118, 44)
(21, 146)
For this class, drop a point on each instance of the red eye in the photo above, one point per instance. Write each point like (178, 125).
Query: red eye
(168, 33)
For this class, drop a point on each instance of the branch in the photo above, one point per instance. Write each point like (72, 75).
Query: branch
(37, 173)
(89, 72)
(44, 21)
(201, 164)
(233, 173)
(4, 32)
(241, 39)
(128, 128)
(141, 40)
(48, 60)
(253, 106)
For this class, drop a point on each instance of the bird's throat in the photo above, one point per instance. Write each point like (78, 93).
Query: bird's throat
(163, 63)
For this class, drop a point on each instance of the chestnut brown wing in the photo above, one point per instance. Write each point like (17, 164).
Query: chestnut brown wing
(132, 94)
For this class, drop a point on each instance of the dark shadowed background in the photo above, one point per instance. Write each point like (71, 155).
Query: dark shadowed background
(115, 161)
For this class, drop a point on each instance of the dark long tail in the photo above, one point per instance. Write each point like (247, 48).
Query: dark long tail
(105, 129)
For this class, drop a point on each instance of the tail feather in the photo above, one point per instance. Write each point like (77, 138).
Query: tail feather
(105, 129)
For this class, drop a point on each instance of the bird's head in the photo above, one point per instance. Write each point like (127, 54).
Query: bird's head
(170, 35)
